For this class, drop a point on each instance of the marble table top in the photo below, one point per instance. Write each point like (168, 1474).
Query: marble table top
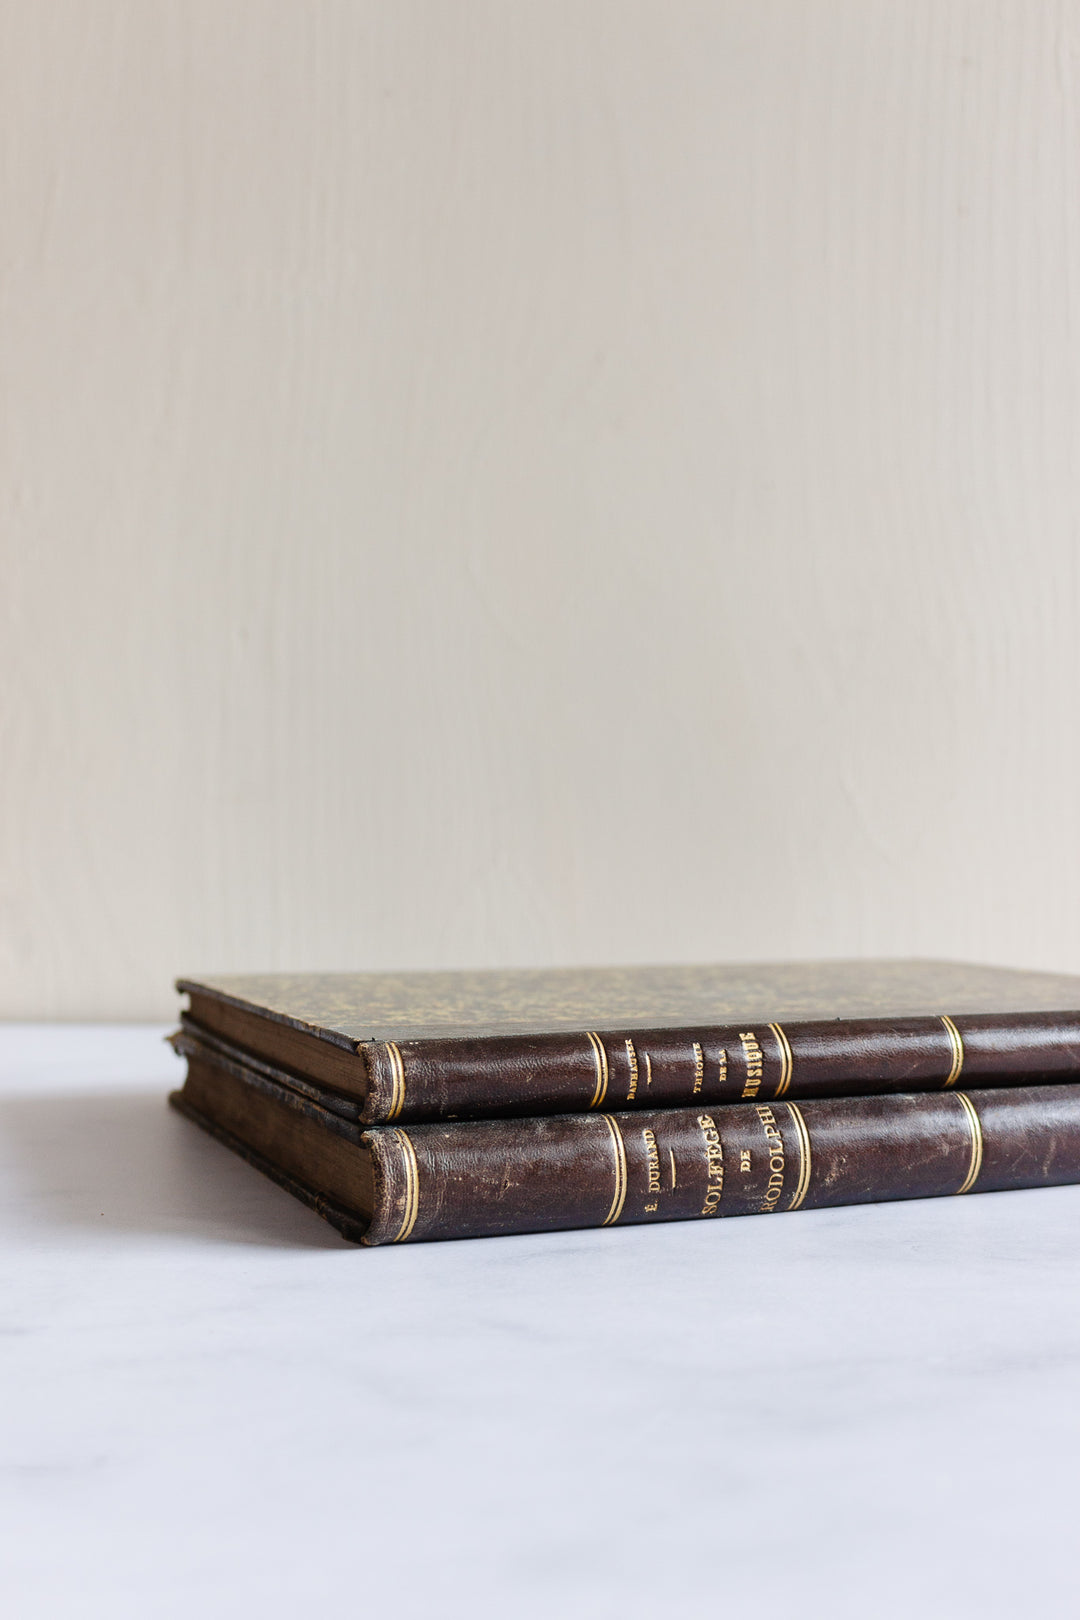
(215, 1407)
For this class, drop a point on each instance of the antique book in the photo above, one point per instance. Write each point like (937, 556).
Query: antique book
(412, 1047)
(483, 1178)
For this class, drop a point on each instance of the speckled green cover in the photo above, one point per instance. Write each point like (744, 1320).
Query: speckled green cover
(348, 1007)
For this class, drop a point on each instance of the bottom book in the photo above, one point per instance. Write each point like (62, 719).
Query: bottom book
(490, 1178)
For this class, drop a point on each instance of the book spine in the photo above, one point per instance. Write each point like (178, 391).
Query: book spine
(490, 1178)
(600, 1070)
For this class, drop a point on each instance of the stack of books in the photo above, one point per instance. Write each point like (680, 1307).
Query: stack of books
(404, 1107)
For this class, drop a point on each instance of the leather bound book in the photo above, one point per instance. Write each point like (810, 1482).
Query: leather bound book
(414, 1047)
(484, 1178)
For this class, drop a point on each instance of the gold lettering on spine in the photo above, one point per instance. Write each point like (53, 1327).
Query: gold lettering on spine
(785, 1061)
(631, 1058)
(600, 1059)
(412, 1187)
(753, 1055)
(714, 1160)
(397, 1081)
(652, 1160)
(803, 1135)
(975, 1126)
(619, 1196)
(699, 1068)
(777, 1165)
(956, 1041)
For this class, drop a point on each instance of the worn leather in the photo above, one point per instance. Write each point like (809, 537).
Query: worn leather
(477, 1178)
(416, 1047)
(499, 1076)
(485, 1178)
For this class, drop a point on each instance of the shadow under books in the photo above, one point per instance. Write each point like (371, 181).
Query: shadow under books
(124, 1161)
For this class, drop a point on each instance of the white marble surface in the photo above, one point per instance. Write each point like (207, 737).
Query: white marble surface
(214, 1407)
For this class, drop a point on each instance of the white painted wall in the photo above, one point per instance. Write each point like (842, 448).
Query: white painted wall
(535, 481)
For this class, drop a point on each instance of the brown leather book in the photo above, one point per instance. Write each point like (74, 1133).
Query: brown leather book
(483, 1178)
(410, 1047)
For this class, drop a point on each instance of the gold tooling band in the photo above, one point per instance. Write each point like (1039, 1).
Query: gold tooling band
(411, 1206)
(957, 1044)
(600, 1059)
(803, 1135)
(397, 1077)
(975, 1164)
(785, 1061)
(619, 1198)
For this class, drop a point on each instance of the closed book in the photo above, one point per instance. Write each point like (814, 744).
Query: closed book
(421, 1047)
(484, 1178)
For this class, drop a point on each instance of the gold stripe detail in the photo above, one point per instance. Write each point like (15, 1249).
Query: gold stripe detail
(619, 1198)
(671, 1156)
(957, 1043)
(412, 1187)
(648, 1070)
(976, 1144)
(397, 1076)
(803, 1135)
(785, 1062)
(600, 1059)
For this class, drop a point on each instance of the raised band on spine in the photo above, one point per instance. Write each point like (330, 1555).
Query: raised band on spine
(412, 1187)
(785, 1060)
(975, 1124)
(397, 1080)
(956, 1041)
(600, 1059)
(619, 1196)
(803, 1185)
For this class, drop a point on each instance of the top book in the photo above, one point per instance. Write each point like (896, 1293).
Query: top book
(486, 1045)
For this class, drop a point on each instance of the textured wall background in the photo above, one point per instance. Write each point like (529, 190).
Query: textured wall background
(535, 481)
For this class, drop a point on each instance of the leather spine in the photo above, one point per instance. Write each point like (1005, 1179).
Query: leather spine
(489, 1178)
(597, 1071)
